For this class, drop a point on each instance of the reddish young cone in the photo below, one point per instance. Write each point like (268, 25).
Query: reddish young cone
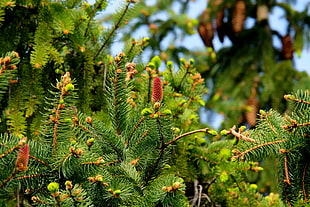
(157, 93)
(22, 158)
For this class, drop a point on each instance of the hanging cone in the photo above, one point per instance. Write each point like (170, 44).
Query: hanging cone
(239, 15)
(262, 13)
(220, 25)
(252, 110)
(205, 28)
(287, 47)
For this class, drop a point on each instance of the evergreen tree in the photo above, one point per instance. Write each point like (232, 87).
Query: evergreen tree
(285, 137)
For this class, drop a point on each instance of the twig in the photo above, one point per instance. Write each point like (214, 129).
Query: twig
(134, 130)
(304, 174)
(9, 150)
(38, 160)
(183, 135)
(287, 178)
(240, 136)
(256, 147)
(9, 178)
(116, 26)
(292, 98)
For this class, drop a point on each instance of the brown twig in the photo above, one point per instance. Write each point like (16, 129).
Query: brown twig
(304, 174)
(38, 160)
(9, 178)
(9, 150)
(134, 130)
(116, 26)
(184, 135)
(240, 136)
(287, 178)
(256, 147)
(292, 98)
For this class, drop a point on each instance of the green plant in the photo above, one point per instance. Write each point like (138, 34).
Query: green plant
(285, 137)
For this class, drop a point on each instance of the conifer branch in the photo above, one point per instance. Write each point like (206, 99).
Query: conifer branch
(184, 135)
(116, 26)
(30, 176)
(91, 16)
(292, 98)
(295, 125)
(9, 151)
(100, 163)
(9, 178)
(304, 174)
(239, 135)
(134, 130)
(287, 178)
(40, 161)
(256, 147)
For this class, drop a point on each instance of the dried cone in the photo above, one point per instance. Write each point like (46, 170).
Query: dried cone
(262, 13)
(205, 28)
(250, 116)
(22, 158)
(157, 93)
(239, 15)
(220, 24)
(287, 47)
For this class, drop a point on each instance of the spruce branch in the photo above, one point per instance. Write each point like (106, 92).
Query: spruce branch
(293, 98)
(9, 151)
(304, 175)
(9, 178)
(134, 130)
(239, 136)
(184, 135)
(286, 172)
(30, 176)
(115, 28)
(256, 147)
(38, 160)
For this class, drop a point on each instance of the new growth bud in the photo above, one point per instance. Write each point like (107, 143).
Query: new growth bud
(22, 158)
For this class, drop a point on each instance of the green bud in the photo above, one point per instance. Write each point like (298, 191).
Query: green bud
(223, 176)
(156, 61)
(182, 61)
(166, 112)
(169, 64)
(69, 87)
(224, 132)
(53, 187)
(151, 65)
(61, 101)
(91, 140)
(242, 128)
(100, 179)
(146, 111)
(253, 186)
(155, 116)
(191, 61)
(262, 112)
(175, 130)
(117, 192)
(225, 153)
(212, 132)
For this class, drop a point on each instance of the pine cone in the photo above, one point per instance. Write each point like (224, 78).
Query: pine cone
(287, 47)
(22, 158)
(220, 25)
(157, 93)
(250, 115)
(239, 15)
(205, 28)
